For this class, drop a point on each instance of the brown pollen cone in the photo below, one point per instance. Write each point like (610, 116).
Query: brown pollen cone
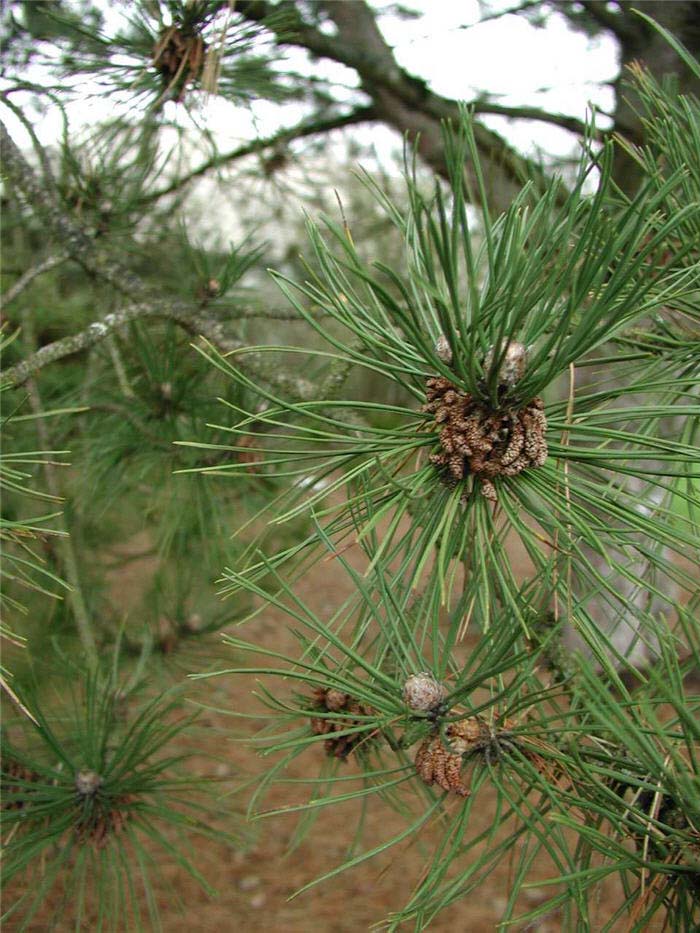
(13, 772)
(104, 823)
(329, 700)
(437, 763)
(481, 442)
(179, 58)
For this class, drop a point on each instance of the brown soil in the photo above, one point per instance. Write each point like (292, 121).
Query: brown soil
(254, 885)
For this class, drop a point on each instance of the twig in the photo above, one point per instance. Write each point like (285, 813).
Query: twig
(49, 262)
(144, 302)
(64, 543)
(509, 11)
(268, 314)
(572, 124)
(287, 135)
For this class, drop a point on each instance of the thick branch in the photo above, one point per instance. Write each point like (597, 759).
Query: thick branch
(400, 100)
(97, 331)
(144, 302)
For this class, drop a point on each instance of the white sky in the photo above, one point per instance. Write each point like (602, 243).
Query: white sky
(553, 68)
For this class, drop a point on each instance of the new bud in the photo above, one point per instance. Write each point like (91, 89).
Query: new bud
(443, 349)
(513, 364)
(87, 783)
(422, 692)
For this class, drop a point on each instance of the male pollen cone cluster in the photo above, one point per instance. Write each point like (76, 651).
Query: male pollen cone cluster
(477, 440)
(327, 699)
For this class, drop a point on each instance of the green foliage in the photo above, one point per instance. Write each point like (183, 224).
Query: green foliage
(593, 761)
(129, 485)
(486, 425)
(89, 796)
(564, 280)
(166, 50)
(23, 569)
(22, 566)
(577, 772)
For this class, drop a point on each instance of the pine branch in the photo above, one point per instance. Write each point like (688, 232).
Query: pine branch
(186, 316)
(49, 262)
(144, 302)
(288, 134)
(399, 99)
(77, 243)
(64, 543)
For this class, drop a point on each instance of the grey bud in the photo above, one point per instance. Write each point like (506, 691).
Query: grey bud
(513, 364)
(422, 692)
(443, 349)
(87, 783)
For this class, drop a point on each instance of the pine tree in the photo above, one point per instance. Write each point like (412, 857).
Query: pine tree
(521, 379)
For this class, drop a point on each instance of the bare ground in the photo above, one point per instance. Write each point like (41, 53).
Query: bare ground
(255, 885)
